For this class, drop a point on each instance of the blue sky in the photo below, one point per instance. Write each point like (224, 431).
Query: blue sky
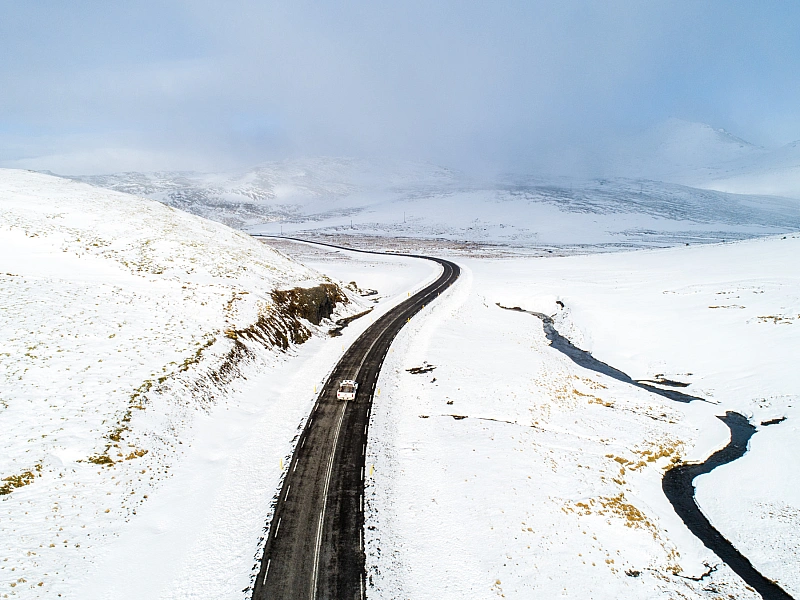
(99, 86)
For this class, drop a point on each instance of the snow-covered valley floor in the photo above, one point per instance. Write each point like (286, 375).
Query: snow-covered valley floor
(509, 471)
(500, 468)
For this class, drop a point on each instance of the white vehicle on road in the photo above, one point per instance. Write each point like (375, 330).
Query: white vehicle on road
(347, 390)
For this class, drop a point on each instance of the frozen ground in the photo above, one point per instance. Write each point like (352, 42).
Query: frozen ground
(509, 471)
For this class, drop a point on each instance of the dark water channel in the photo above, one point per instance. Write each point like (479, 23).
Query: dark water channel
(678, 482)
(678, 486)
(587, 361)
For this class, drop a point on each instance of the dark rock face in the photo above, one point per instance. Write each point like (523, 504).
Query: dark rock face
(280, 326)
(284, 324)
(312, 304)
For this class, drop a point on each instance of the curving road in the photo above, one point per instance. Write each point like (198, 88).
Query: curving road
(315, 546)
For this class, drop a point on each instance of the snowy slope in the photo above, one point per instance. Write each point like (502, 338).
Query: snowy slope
(123, 322)
(507, 470)
(699, 155)
(283, 190)
(679, 150)
(776, 173)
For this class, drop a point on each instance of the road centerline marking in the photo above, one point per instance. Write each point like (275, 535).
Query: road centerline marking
(263, 581)
(325, 501)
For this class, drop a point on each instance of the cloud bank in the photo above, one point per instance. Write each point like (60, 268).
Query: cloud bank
(508, 85)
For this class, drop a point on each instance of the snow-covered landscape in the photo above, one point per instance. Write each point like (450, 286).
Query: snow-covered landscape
(504, 469)
(660, 202)
(134, 442)
(550, 251)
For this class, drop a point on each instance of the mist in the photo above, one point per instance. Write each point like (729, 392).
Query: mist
(535, 87)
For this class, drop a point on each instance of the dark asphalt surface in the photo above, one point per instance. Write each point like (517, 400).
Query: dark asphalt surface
(315, 546)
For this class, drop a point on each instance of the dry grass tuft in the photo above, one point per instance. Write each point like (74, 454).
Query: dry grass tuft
(13, 482)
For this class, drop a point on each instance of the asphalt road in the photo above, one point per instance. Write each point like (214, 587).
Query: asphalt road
(315, 547)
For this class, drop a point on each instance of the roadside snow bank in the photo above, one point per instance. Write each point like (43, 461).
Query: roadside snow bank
(122, 322)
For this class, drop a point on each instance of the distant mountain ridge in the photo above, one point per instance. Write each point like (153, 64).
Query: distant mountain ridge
(329, 195)
(281, 190)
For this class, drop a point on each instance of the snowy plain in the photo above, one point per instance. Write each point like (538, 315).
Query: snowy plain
(509, 471)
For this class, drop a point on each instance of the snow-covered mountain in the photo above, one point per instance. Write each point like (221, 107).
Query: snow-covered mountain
(283, 190)
(678, 150)
(775, 173)
(699, 155)
(349, 196)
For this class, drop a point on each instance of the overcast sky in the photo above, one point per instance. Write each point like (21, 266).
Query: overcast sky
(97, 86)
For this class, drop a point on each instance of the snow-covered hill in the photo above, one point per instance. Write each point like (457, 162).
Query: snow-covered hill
(288, 190)
(353, 197)
(122, 322)
(678, 150)
(699, 155)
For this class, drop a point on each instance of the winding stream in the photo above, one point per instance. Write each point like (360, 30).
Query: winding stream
(678, 486)
(678, 482)
(587, 361)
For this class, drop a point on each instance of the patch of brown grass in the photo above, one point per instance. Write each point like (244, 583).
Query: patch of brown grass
(13, 482)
